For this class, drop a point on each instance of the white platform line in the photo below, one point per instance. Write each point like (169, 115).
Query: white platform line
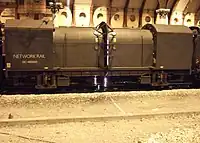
(117, 106)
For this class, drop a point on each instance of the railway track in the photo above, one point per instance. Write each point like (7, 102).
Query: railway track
(31, 90)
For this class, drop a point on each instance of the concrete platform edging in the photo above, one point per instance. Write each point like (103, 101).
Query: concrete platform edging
(54, 120)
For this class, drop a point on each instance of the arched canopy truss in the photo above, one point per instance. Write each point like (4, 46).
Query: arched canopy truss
(183, 6)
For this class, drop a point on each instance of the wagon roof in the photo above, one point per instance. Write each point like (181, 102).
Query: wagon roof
(28, 23)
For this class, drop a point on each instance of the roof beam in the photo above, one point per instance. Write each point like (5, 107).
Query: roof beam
(125, 13)
(181, 5)
(198, 10)
(173, 5)
(100, 3)
(162, 3)
(198, 13)
(192, 6)
(157, 7)
(141, 12)
(72, 10)
(185, 11)
(109, 11)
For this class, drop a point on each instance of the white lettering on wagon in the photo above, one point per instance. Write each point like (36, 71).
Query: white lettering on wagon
(29, 56)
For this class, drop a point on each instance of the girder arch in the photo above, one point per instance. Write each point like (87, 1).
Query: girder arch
(117, 13)
(171, 4)
(100, 11)
(82, 12)
(141, 11)
(162, 3)
(148, 12)
(177, 14)
(197, 18)
(126, 13)
(181, 5)
(192, 6)
(134, 10)
(190, 13)
(151, 4)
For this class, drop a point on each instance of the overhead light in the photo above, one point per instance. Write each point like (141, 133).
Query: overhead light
(56, 4)
(50, 3)
(162, 10)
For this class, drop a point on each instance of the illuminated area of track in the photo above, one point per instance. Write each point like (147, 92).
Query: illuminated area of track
(105, 108)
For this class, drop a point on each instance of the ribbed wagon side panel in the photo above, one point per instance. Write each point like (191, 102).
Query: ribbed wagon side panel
(75, 47)
(134, 48)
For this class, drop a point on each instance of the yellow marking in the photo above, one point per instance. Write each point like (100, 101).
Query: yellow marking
(8, 65)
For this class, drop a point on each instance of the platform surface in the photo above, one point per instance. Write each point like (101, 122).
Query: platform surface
(156, 129)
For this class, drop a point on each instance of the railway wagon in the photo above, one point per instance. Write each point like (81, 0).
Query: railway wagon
(82, 55)
(40, 56)
(173, 52)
